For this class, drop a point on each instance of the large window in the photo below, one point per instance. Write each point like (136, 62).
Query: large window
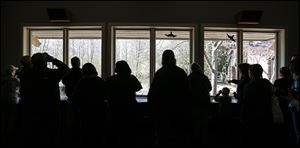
(142, 46)
(65, 43)
(222, 53)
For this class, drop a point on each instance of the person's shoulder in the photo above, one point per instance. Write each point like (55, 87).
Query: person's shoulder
(75, 69)
(132, 77)
(98, 78)
(90, 79)
(193, 74)
(111, 78)
(245, 80)
(198, 74)
(247, 85)
(160, 71)
(266, 81)
(180, 70)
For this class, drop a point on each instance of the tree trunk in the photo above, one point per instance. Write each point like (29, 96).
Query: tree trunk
(214, 66)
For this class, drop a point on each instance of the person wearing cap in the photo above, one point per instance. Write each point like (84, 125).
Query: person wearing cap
(11, 85)
(10, 95)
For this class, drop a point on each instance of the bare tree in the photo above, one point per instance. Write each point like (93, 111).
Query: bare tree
(138, 56)
(92, 46)
(214, 73)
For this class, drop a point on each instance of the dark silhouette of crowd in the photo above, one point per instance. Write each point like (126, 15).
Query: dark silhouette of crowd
(105, 113)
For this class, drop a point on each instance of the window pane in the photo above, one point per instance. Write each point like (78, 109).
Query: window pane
(220, 64)
(260, 48)
(50, 41)
(133, 46)
(179, 44)
(86, 45)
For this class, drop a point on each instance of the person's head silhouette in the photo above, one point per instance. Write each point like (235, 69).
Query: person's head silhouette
(225, 91)
(88, 69)
(255, 71)
(168, 58)
(122, 68)
(243, 68)
(75, 62)
(25, 60)
(195, 67)
(285, 72)
(39, 60)
(11, 70)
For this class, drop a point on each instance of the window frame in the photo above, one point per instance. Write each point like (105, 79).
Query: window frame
(280, 40)
(29, 28)
(196, 40)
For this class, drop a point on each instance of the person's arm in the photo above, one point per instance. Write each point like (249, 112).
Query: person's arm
(236, 95)
(234, 81)
(208, 84)
(62, 70)
(138, 85)
(217, 97)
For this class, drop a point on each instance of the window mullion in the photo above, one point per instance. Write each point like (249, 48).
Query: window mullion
(240, 46)
(66, 46)
(191, 47)
(29, 45)
(113, 52)
(152, 54)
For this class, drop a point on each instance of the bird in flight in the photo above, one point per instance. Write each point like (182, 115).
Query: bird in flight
(170, 35)
(231, 37)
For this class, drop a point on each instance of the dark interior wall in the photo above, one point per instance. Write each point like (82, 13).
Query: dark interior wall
(15, 14)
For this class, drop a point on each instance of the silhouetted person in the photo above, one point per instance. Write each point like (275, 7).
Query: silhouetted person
(25, 90)
(224, 103)
(294, 98)
(24, 75)
(241, 83)
(122, 89)
(282, 87)
(200, 87)
(256, 113)
(70, 81)
(10, 85)
(224, 114)
(168, 99)
(284, 83)
(90, 94)
(41, 101)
